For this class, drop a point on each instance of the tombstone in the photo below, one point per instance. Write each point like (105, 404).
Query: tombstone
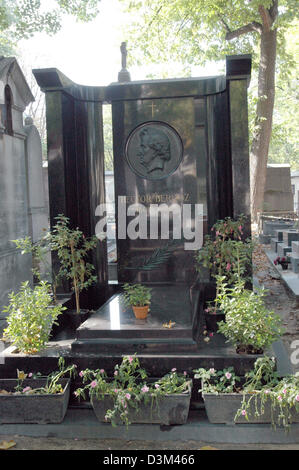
(288, 236)
(37, 206)
(15, 95)
(278, 195)
(179, 145)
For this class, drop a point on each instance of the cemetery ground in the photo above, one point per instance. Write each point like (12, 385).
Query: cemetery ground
(278, 299)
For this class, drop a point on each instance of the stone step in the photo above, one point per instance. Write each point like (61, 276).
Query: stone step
(152, 345)
(283, 249)
(289, 236)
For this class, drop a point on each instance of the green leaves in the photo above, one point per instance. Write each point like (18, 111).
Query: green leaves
(248, 323)
(73, 248)
(23, 18)
(129, 387)
(30, 317)
(137, 295)
(225, 253)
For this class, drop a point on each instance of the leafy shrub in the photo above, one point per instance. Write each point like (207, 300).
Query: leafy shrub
(30, 317)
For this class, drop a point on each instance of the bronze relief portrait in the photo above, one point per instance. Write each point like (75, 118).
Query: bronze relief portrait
(154, 150)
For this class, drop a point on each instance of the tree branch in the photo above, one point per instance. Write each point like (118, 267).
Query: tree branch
(225, 24)
(249, 28)
(266, 18)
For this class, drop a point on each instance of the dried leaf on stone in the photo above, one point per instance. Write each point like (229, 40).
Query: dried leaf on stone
(5, 445)
(208, 448)
(170, 324)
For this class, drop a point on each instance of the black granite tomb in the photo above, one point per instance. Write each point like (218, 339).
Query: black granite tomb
(200, 127)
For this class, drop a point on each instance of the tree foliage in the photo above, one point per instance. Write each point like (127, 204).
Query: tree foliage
(20, 19)
(199, 31)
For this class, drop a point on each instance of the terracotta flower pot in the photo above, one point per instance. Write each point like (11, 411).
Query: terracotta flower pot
(141, 312)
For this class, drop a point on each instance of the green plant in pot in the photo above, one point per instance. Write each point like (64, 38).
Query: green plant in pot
(228, 257)
(31, 316)
(131, 397)
(248, 325)
(73, 249)
(138, 297)
(261, 396)
(34, 398)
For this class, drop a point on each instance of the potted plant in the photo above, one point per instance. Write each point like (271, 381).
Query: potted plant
(72, 249)
(227, 256)
(130, 397)
(284, 263)
(31, 316)
(248, 325)
(138, 297)
(32, 398)
(259, 397)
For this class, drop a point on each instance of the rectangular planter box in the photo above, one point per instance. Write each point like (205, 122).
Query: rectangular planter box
(171, 409)
(222, 409)
(37, 409)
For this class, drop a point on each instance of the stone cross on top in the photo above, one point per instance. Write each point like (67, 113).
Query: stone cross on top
(124, 75)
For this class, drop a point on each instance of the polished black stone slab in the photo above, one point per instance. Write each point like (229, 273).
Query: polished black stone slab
(116, 321)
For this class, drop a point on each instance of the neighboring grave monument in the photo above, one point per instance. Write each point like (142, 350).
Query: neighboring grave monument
(15, 95)
(278, 211)
(180, 163)
(278, 195)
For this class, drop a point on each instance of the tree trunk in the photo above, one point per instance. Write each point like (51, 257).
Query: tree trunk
(264, 114)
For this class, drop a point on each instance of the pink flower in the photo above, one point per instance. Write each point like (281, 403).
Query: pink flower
(115, 390)
(240, 227)
(102, 371)
(212, 371)
(185, 373)
(267, 391)
(115, 373)
(217, 233)
(145, 389)
(284, 391)
(228, 375)
(93, 384)
(228, 266)
(130, 358)
(173, 370)
(211, 335)
(279, 398)
(76, 394)
(26, 389)
(128, 396)
(243, 412)
(30, 374)
(157, 386)
(297, 398)
(81, 373)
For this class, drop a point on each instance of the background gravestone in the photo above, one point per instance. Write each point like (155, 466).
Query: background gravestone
(278, 195)
(15, 95)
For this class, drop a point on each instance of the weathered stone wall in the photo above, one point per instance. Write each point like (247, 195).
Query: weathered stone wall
(14, 267)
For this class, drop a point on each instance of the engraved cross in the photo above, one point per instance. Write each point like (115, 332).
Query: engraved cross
(153, 106)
